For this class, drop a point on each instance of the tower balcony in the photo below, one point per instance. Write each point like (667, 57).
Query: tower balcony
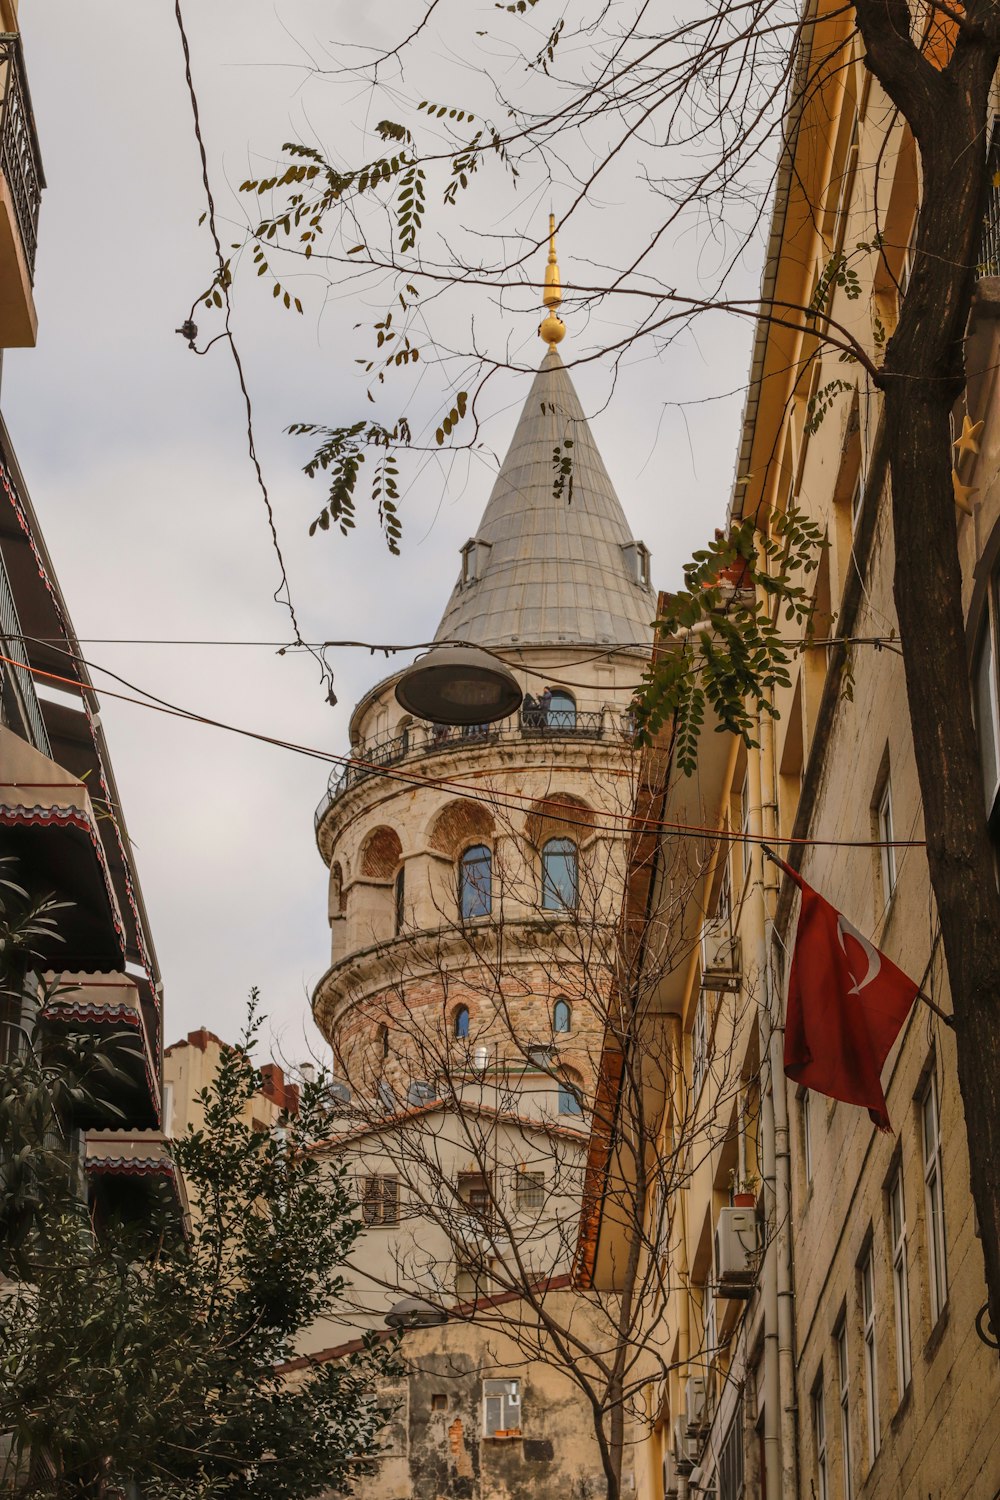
(21, 184)
(381, 757)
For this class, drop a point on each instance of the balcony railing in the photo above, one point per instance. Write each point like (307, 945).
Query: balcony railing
(989, 246)
(374, 758)
(20, 159)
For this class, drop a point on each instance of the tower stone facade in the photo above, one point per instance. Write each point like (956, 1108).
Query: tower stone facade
(476, 882)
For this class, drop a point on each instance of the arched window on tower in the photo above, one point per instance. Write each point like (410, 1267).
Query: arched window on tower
(561, 1016)
(462, 1023)
(399, 899)
(560, 875)
(475, 882)
(561, 711)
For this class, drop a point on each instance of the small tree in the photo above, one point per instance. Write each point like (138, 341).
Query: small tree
(149, 1355)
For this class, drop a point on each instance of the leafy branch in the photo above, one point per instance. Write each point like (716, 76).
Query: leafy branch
(723, 643)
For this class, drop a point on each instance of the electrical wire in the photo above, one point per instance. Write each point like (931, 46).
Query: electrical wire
(508, 800)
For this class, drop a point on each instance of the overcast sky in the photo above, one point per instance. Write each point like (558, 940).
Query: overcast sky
(134, 449)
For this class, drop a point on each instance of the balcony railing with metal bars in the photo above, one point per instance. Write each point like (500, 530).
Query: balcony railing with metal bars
(988, 263)
(20, 159)
(377, 756)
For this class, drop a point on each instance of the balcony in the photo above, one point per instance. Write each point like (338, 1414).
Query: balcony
(21, 184)
(108, 1005)
(377, 757)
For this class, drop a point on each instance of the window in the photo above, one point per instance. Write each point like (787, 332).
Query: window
(807, 1150)
(561, 1016)
(844, 1378)
(501, 1408)
(710, 1323)
(843, 209)
(819, 1438)
(745, 822)
(475, 1192)
(886, 836)
(731, 1459)
(569, 1100)
(383, 1038)
(529, 1191)
(561, 711)
(475, 882)
(857, 497)
(900, 1282)
(699, 1045)
(560, 875)
(986, 707)
(380, 1200)
(462, 1023)
(399, 898)
(934, 1197)
(439, 1401)
(871, 1357)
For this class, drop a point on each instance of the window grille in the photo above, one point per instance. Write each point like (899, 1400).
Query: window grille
(731, 1482)
(529, 1191)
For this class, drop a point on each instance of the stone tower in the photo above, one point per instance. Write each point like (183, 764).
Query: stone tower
(446, 845)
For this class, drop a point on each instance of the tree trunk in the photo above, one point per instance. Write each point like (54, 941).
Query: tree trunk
(924, 375)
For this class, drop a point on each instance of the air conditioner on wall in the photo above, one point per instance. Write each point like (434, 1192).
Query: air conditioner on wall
(685, 1447)
(694, 1402)
(736, 1251)
(722, 967)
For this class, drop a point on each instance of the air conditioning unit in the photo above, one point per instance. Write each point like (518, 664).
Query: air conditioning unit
(736, 1251)
(685, 1448)
(694, 1403)
(722, 961)
(670, 1476)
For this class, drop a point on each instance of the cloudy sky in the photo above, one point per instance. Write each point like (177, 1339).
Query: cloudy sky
(134, 449)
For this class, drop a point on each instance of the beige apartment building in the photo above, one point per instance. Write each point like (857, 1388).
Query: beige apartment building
(823, 1338)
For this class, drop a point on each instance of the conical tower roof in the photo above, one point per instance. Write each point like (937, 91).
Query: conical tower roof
(550, 565)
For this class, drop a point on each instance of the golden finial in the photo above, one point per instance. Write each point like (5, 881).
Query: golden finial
(552, 328)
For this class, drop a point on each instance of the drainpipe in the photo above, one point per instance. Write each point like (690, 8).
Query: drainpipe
(779, 1282)
(684, 1299)
(760, 790)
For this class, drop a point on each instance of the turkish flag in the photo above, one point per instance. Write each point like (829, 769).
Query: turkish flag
(846, 1004)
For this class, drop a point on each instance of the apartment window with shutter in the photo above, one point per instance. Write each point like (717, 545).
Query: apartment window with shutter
(871, 1356)
(529, 1191)
(934, 1199)
(844, 1382)
(819, 1438)
(380, 1200)
(900, 1281)
(501, 1408)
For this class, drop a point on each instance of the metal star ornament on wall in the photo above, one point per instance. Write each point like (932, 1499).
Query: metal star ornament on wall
(963, 493)
(968, 439)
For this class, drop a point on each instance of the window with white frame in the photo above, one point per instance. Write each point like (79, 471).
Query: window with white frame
(900, 1281)
(884, 829)
(711, 1325)
(937, 1266)
(844, 1382)
(870, 1353)
(501, 1408)
(745, 821)
(819, 1438)
(857, 496)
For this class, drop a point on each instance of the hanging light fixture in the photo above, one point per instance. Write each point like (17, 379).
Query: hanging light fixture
(459, 685)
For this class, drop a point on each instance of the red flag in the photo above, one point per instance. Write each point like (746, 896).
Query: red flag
(846, 1004)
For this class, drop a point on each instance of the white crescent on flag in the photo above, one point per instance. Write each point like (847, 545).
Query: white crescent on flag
(871, 952)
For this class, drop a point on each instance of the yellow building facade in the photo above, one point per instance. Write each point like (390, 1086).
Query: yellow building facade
(822, 1341)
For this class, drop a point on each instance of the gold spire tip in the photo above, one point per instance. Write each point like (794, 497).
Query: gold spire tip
(552, 329)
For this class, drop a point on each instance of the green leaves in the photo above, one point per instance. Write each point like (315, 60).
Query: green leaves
(341, 453)
(723, 643)
(451, 421)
